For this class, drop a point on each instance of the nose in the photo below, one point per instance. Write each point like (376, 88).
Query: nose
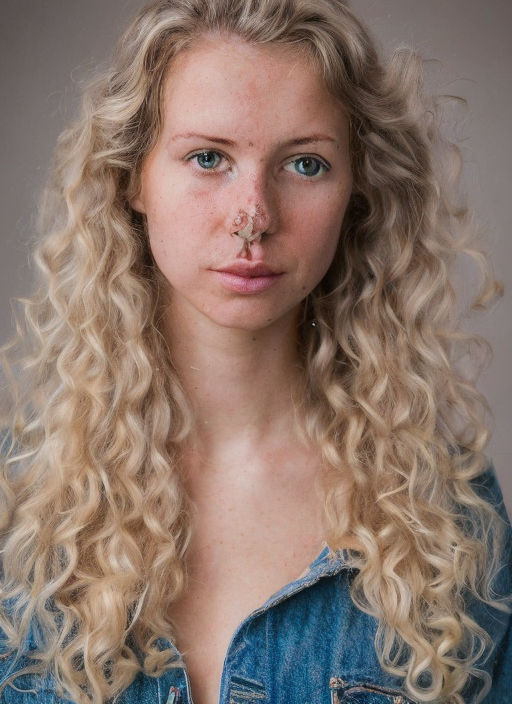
(255, 213)
(250, 224)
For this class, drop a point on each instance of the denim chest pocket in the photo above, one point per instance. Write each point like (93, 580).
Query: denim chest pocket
(363, 693)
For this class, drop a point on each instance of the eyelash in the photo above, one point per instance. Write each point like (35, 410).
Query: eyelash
(325, 167)
(195, 156)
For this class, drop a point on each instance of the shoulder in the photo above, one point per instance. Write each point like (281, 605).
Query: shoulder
(496, 622)
(487, 486)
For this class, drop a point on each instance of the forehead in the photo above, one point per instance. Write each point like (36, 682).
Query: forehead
(232, 83)
(228, 50)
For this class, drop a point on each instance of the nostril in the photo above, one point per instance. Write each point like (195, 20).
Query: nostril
(250, 224)
(246, 227)
(243, 225)
(249, 227)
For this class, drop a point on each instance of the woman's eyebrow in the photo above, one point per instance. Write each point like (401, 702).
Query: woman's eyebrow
(310, 139)
(228, 142)
(205, 137)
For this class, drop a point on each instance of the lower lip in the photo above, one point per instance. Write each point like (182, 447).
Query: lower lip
(245, 284)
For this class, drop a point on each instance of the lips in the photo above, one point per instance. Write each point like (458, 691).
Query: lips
(248, 270)
(247, 277)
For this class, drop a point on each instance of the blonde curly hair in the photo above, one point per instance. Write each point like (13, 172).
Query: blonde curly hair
(95, 522)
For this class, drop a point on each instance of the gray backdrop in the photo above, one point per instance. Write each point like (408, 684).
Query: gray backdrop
(48, 48)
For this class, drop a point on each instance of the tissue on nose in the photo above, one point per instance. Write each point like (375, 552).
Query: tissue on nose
(243, 224)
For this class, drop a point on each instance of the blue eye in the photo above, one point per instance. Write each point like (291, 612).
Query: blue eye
(207, 160)
(308, 166)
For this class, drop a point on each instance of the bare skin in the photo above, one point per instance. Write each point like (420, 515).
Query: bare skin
(224, 149)
(259, 520)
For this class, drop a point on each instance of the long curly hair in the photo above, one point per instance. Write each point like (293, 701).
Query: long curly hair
(95, 523)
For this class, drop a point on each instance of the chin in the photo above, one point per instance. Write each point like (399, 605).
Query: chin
(253, 321)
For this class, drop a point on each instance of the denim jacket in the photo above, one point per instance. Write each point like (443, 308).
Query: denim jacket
(308, 644)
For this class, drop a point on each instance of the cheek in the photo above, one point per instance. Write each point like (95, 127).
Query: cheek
(176, 220)
(319, 229)
(183, 230)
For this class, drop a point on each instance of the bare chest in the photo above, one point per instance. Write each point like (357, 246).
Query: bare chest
(245, 548)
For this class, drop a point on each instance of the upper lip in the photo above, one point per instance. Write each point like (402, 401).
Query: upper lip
(248, 269)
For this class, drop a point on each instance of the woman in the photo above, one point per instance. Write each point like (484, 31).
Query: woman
(240, 363)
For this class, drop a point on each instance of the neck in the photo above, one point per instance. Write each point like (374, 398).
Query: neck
(241, 383)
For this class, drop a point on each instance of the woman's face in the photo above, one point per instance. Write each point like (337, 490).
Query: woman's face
(247, 131)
